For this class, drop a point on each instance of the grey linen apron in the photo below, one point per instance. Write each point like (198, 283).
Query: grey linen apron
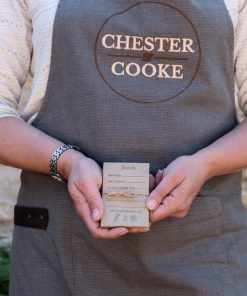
(144, 81)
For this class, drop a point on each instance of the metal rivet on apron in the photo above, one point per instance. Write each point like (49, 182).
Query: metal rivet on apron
(29, 216)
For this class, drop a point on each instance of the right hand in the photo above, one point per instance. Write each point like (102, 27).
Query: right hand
(84, 182)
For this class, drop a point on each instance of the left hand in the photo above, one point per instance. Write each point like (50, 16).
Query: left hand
(177, 188)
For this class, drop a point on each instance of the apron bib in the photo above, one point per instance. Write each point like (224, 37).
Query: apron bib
(133, 81)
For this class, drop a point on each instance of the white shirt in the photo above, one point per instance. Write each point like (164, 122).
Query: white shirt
(26, 28)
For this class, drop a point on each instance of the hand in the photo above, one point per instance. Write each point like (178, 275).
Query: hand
(177, 188)
(84, 182)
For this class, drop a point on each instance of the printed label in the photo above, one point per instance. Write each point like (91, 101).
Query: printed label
(148, 53)
(125, 190)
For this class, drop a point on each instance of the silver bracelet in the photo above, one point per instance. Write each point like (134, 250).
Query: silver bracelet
(54, 159)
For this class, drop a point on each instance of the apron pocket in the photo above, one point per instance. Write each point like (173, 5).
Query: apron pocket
(31, 217)
(204, 221)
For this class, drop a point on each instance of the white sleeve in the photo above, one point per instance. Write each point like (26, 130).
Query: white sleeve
(15, 53)
(241, 56)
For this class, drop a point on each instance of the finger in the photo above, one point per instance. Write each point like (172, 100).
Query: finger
(165, 209)
(151, 182)
(158, 177)
(113, 233)
(155, 217)
(166, 185)
(97, 231)
(83, 210)
(138, 229)
(176, 203)
(92, 195)
(100, 181)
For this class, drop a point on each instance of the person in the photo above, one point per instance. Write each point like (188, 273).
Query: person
(126, 81)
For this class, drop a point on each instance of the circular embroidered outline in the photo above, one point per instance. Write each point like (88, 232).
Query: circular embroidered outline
(138, 100)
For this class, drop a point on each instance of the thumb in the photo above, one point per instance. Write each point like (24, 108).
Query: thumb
(94, 200)
(166, 185)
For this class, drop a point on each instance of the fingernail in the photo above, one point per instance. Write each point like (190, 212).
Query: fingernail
(146, 229)
(158, 173)
(95, 214)
(151, 204)
(124, 232)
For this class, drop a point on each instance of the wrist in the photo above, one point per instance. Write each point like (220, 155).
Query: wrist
(202, 159)
(67, 160)
(59, 164)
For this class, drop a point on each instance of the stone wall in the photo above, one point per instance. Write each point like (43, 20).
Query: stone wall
(9, 186)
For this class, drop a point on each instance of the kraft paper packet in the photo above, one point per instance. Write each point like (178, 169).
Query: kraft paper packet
(125, 190)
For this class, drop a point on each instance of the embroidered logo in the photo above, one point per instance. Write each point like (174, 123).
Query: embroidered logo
(148, 53)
